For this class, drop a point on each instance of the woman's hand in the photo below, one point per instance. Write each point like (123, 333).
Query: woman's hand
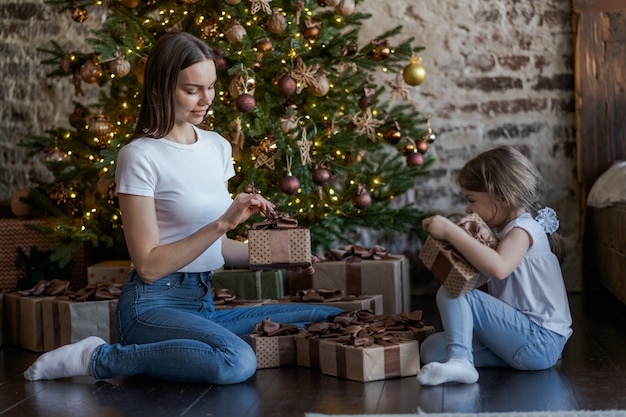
(243, 206)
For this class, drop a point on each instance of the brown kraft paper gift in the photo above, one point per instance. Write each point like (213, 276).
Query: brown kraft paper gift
(448, 266)
(278, 243)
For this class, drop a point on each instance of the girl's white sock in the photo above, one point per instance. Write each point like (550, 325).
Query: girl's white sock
(454, 370)
(66, 361)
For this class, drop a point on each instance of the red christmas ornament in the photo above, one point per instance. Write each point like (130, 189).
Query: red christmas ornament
(415, 159)
(289, 185)
(286, 85)
(245, 103)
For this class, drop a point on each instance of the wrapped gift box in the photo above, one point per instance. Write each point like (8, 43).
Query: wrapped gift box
(279, 249)
(108, 272)
(448, 266)
(251, 285)
(279, 243)
(370, 363)
(273, 351)
(23, 321)
(308, 351)
(388, 277)
(374, 303)
(66, 321)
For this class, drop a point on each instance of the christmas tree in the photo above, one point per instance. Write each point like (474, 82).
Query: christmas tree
(319, 125)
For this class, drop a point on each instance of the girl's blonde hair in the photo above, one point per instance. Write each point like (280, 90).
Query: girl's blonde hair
(505, 173)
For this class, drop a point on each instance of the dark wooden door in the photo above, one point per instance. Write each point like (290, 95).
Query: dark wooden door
(600, 50)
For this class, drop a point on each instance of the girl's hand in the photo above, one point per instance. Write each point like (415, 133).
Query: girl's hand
(438, 226)
(243, 206)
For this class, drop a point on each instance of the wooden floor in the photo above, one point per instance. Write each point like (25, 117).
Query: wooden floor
(591, 376)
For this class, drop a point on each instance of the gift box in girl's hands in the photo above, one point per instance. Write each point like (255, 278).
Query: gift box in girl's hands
(448, 266)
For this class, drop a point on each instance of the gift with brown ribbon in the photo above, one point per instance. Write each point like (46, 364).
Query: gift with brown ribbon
(273, 343)
(449, 267)
(279, 243)
(67, 321)
(367, 271)
(365, 351)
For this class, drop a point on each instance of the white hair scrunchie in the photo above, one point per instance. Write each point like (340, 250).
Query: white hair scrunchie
(546, 217)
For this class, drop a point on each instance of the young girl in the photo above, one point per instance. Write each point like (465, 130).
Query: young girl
(171, 182)
(524, 320)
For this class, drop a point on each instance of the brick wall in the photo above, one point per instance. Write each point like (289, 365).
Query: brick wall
(498, 71)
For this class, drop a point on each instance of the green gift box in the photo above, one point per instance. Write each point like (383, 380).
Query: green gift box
(252, 285)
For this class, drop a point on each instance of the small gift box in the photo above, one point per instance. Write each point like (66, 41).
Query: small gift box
(66, 321)
(108, 272)
(279, 243)
(337, 298)
(448, 266)
(274, 344)
(251, 285)
(24, 323)
(367, 271)
(384, 359)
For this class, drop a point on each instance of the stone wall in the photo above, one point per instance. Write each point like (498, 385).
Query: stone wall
(498, 71)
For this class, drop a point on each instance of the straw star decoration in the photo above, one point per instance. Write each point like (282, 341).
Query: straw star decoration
(366, 124)
(304, 145)
(260, 5)
(398, 88)
(265, 154)
(305, 75)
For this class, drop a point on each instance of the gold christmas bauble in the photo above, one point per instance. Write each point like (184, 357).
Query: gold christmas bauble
(277, 22)
(91, 71)
(120, 66)
(99, 125)
(79, 14)
(240, 84)
(414, 74)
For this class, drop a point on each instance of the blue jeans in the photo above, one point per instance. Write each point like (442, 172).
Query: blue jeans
(488, 332)
(169, 329)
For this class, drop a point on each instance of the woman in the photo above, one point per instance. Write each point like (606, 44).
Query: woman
(176, 211)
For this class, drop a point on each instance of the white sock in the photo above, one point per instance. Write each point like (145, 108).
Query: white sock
(66, 361)
(454, 370)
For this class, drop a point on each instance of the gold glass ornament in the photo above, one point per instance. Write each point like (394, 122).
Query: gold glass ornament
(120, 66)
(79, 14)
(276, 23)
(235, 32)
(381, 49)
(91, 71)
(322, 86)
(414, 74)
(345, 7)
(99, 125)
(240, 84)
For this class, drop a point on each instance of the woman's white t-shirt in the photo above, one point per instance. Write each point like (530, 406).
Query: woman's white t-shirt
(187, 182)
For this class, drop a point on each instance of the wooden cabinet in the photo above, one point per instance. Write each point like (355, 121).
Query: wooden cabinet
(600, 59)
